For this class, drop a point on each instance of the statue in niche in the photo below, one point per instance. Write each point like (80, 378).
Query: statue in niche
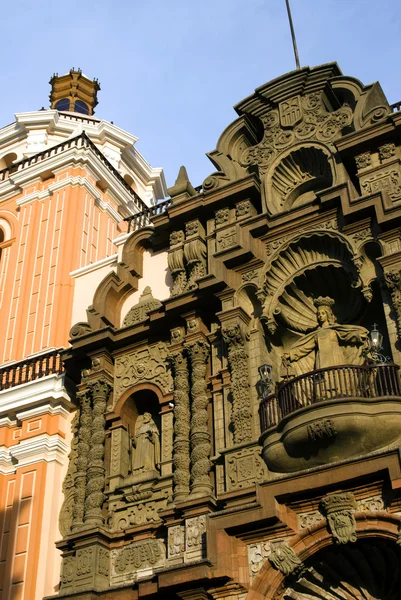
(147, 445)
(330, 345)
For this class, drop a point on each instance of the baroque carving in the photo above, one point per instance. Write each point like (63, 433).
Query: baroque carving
(200, 436)
(257, 554)
(140, 312)
(243, 209)
(241, 416)
(386, 151)
(284, 558)
(84, 561)
(226, 239)
(68, 571)
(363, 160)
(84, 441)
(69, 491)
(321, 348)
(138, 515)
(387, 181)
(250, 275)
(95, 497)
(309, 519)
(176, 541)
(393, 282)
(181, 455)
(339, 510)
(195, 530)
(221, 216)
(146, 442)
(139, 555)
(320, 430)
(372, 504)
(312, 122)
(147, 364)
(244, 468)
(176, 264)
(195, 255)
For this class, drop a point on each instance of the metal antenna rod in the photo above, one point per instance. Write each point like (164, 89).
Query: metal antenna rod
(294, 41)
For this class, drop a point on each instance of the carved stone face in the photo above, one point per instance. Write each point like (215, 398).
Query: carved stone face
(323, 315)
(147, 417)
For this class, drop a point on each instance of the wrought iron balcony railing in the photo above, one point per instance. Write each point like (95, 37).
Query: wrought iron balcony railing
(348, 381)
(30, 369)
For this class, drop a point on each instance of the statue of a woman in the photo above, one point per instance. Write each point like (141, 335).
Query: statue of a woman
(330, 345)
(147, 445)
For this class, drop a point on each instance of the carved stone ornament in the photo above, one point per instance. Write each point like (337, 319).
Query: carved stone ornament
(250, 275)
(285, 559)
(181, 455)
(200, 437)
(297, 120)
(258, 552)
(176, 264)
(320, 430)
(79, 329)
(140, 312)
(195, 530)
(244, 468)
(363, 160)
(386, 180)
(195, 255)
(241, 417)
(139, 555)
(221, 216)
(147, 364)
(339, 510)
(243, 209)
(226, 239)
(69, 491)
(176, 541)
(393, 282)
(386, 151)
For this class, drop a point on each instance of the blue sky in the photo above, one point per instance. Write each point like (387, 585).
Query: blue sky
(171, 70)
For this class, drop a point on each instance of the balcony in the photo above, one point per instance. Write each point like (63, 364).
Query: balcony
(331, 414)
(30, 369)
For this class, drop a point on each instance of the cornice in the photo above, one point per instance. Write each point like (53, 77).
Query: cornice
(104, 262)
(72, 157)
(44, 447)
(29, 395)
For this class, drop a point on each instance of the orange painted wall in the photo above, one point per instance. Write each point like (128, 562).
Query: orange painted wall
(53, 235)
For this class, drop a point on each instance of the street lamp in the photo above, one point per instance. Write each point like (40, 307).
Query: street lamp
(376, 344)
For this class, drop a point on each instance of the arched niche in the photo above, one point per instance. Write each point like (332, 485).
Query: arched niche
(7, 160)
(309, 265)
(135, 437)
(296, 176)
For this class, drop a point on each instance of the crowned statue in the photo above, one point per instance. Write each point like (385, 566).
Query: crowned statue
(329, 345)
(147, 445)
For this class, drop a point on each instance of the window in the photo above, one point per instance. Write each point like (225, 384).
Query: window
(81, 107)
(63, 104)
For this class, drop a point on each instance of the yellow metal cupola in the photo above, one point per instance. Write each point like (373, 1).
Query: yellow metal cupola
(74, 92)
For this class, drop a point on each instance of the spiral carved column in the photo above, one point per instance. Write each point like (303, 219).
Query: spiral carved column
(238, 363)
(200, 436)
(84, 440)
(181, 457)
(96, 471)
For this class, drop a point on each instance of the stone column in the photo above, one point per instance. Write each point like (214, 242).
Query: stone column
(96, 471)
(238, 364)
(200, 436)
(181, 457)
(69, 491)
(84, 440)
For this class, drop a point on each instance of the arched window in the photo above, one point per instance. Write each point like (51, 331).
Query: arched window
(63, 104)
(81, 107)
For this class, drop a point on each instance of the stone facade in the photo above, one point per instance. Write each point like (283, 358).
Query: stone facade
(191, 474)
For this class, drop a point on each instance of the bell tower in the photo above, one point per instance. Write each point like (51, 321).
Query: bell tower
(74, 92)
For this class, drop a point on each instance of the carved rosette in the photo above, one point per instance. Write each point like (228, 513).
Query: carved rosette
(84, 441)
(96, 471)
(176, 263)
(200, 436)
(393, 282)
(69, 490)
(339, 510)
(238, 362)
(181, 457)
